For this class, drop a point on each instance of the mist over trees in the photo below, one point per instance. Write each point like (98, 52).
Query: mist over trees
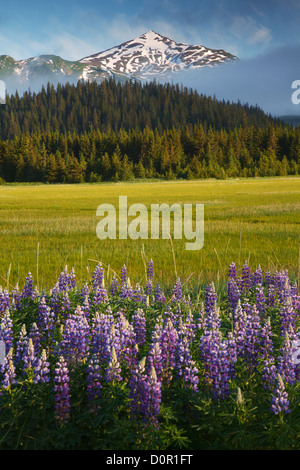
(120, 132)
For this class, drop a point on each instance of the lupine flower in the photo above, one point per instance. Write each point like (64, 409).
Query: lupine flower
(257, 277)
(232, 271)
(211, 298)
(8, 372)
(114, 287)
(4, 300)
(246, 276)
(177, 291)
(139, 323)
(124, 274)
(286, 366)
(98, 276)
(152, 398)
(62, 392)
(279, 400)
(234, 294)
(28, 291)
(21, 345)
(6, 330)
(113, 371)
(94, 385)
(260, 300)
(74, 345)
(150, 271)
(185, 366)
(41, 369)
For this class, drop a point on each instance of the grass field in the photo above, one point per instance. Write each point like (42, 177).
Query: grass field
(45, 227)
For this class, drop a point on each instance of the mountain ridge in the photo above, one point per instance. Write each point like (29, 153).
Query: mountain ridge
(148, 56)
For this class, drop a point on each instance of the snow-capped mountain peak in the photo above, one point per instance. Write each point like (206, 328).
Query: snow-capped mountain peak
(152, 53)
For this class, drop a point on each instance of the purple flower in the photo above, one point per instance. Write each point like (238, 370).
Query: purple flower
(62, 392)
(246, 276)
(42, 371)
(139, 324)
(150, 270)
(98, 276)
(74, 345)
(6, 330)
(113, 371)
(234, 294)
(8, 371)
(94, 385)
(279, 400)
(185, 366)
(232, 271)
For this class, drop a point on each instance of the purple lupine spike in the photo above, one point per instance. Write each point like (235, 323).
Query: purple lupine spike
(139, 324)
(149, 288)
(266, 343)
(239, 329)
(126, 291)
(212, 321)
(114, 287)
(62, 392)
(16, 297)
(98, 276)
(4, 300)
(137, 294)
(152, 399)
(85, 291)
(185, 366)
(35, 335)
(234, 294)
(232, 271)
(269, 372)
(177, 291)
(28, 290)
(150, 270)
(137, 390)
(74, 345)
(155, 358)
(101, 332)
(260, 300)
(216, 357)
(45, 321)
(94, 384)
(29, 357)
(232, 354)
(113, 371)
(287, 316)
(268, 278)
(252, 338)
(66, 281)
(42, 369)
(168, 341)
(100, 296)
(279, 399)
(65, 304)
(21, 345)
(9, 372)
(271, 299)
(285, 364)
(257, 277)
(211, 297)
(6, 330)
(124, 274)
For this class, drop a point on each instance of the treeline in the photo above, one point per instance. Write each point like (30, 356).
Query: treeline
(224, 140)
(112, 106)
(185, 153)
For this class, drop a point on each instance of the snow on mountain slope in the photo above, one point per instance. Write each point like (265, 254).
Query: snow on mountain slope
(152, 53)
(148, 56)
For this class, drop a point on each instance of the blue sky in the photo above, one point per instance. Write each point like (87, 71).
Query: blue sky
(74, 29)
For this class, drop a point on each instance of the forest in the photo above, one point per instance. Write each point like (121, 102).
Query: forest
(111, 131)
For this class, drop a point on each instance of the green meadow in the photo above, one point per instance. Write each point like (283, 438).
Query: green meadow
(45, 227)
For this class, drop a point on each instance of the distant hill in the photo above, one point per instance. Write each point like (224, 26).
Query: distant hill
(293, 120)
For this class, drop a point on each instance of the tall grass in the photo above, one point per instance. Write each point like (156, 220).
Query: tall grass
(44, 227)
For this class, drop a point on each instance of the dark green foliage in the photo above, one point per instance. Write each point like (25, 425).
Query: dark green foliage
(115, 132)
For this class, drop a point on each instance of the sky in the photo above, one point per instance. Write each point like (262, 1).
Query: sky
(74, 29)
(255, 31)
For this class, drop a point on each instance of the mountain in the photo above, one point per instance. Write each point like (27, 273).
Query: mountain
(151, 54)
(146, 57)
